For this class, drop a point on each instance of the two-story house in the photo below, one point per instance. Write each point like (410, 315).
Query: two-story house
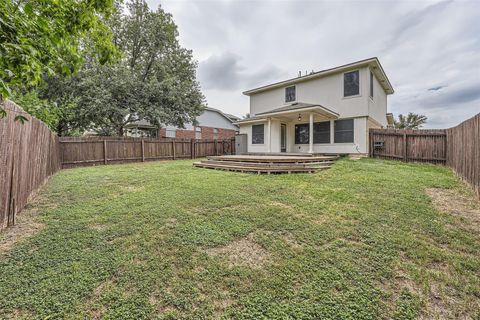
(329, 111)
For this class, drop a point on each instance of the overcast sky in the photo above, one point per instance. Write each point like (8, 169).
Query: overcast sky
(430, 50)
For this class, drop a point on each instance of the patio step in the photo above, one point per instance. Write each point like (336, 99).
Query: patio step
(259, 168)
(273, 159)
(269, 165)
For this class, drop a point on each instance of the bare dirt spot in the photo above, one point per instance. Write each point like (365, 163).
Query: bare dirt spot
(450, 201)
(133, 188)
(280, 205)
(26, 225)
(243, 252)
(97, 226)
(292, 242)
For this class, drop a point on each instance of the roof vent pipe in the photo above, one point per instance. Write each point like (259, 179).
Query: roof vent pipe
(299, 74)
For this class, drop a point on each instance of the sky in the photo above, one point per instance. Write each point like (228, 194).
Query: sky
(430, 50)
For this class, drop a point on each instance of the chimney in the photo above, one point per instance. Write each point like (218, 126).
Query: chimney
(299, 74)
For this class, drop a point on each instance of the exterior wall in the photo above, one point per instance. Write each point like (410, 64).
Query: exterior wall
(359, 145)
(213, 119)
(207, 133)
(208, 121)
(377, 107)
(326, 91)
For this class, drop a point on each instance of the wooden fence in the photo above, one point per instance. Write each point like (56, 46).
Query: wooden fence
(109, 150)
(457, 147)
(463, 151)
(409, 145)
(29, 154)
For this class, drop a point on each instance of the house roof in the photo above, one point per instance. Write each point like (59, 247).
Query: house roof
(229, 117)
(373, 63)
(295, 107)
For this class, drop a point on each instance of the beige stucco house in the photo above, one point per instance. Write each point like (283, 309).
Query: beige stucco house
(329, 111)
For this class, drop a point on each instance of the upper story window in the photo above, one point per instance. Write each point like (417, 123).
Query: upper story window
(371, 84)
(351, 83)
(290, 94)
(258, 134)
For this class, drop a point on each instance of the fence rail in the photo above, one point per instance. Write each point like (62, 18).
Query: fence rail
(108, 150)
(29, 154)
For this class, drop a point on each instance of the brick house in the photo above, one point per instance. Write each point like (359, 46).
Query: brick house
(212, 124)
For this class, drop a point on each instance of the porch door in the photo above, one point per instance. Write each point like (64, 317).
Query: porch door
(283, 137)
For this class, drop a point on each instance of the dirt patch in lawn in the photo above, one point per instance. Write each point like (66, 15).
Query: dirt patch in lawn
(26, 225)
(243, 252)
(450, 201)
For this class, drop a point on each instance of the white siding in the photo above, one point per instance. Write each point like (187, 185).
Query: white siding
(326, 91)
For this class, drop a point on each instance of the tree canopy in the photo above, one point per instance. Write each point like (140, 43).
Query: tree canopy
(411, 121)
(40, 37)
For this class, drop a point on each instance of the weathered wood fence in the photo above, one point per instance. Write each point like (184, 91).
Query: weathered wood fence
(29, 154)
(457, 147)
(409, 145)
(84, 151)
(463, 151)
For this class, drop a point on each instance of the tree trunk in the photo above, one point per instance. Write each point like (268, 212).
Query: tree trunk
(120, 131)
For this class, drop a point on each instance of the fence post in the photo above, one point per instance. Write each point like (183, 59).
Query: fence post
(405, 152)
(215, 145)
(104, 151)
(232, 145)
(370, 143)
(173, 148)
(143, 150)
(192, 148)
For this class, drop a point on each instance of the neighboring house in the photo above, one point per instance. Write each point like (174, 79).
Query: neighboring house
(212, 124)
(329, 111)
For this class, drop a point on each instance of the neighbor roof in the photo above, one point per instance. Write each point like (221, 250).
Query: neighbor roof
(229, 117)
(373, 63)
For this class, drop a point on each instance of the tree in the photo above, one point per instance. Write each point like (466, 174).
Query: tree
(411, 121)
(40, 37)
(154, 79)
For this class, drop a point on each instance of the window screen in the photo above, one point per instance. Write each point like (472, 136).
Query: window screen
(290, 94)
(321, 132)
(302, 132)
(343, 131)
(258, 134)
(351, 84)
(170, 133)
(198, 133)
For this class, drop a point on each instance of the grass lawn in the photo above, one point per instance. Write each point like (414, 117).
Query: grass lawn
(366, 239)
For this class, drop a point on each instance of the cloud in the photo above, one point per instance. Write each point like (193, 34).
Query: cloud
(225, 72)
(436, 88)
(429, 49)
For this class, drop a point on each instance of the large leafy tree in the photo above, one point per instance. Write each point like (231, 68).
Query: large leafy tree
(411, 121)
(40, 37)
(154, 79)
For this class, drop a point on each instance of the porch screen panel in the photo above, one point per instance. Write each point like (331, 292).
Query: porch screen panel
(258, 134)
(343, 131)
(302, 132)
(321, 132)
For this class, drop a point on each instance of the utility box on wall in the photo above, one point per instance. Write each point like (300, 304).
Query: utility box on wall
(241, 143)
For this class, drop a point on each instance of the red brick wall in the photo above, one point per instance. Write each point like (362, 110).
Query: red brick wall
(207, 133)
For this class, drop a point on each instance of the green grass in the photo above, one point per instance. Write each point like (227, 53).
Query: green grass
(359, 241)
